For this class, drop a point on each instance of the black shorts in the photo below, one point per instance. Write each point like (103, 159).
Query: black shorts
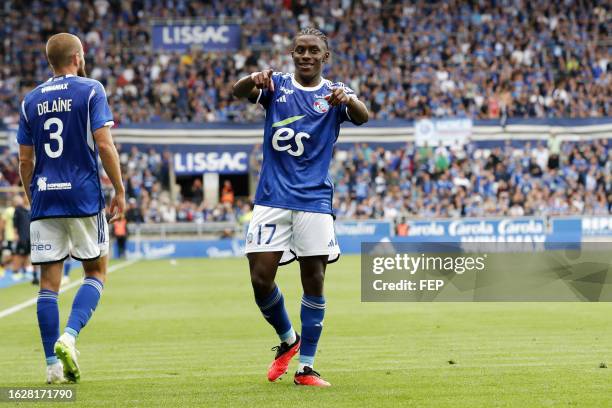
(22, 248)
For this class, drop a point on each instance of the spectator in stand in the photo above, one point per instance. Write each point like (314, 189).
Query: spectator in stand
(197, 192)
(120, 232)
(227, 193)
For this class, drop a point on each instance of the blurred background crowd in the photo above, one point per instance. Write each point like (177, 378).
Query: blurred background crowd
(482, 59)
(569, 178)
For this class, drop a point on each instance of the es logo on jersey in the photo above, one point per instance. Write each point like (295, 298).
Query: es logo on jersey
(321, 105)
(285, 134)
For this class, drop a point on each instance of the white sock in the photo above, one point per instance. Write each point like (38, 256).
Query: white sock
(70, 337)
(292, 338)
(301, 367)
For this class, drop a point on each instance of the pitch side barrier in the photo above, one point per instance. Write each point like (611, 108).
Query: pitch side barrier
(546, 231)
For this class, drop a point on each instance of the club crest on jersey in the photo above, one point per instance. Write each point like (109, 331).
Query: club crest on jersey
(321, 105)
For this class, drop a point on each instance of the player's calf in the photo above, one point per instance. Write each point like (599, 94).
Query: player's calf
(312, 314)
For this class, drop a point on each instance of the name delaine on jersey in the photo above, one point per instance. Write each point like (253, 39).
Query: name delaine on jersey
(57, 105)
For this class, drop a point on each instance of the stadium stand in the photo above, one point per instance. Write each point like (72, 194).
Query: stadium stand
(569, 178)
(408, 60)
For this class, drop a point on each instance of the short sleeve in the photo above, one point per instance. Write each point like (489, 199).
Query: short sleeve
(99, 111)
(24, 133)
(344, 115)
(266, 95)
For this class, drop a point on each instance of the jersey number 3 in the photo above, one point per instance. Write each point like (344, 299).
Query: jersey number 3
(54, 135)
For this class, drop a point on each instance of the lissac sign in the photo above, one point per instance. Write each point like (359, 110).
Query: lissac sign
(209, 37)
(186, 163)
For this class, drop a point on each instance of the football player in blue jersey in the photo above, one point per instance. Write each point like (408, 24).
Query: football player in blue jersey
(64, 125)
(293, 215)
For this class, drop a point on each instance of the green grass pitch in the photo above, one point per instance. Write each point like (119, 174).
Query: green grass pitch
(189, 334)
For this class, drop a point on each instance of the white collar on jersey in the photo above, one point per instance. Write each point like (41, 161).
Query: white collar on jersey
(307, 88)
(55, 78)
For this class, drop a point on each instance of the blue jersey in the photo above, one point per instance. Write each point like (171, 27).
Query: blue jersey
(300, 131)
(58, 119)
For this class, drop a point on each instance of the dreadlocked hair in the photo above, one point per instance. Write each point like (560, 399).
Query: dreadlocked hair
(315, 32)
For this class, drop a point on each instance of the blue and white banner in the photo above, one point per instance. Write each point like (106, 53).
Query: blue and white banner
(208, 37)
(597, 226)
(351, 234)
(367, 228)
(161, 249)
(449, 132)
(223, 162)
(494, 230)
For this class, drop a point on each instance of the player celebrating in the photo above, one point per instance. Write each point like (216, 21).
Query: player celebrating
(293, 203)
(64, 124)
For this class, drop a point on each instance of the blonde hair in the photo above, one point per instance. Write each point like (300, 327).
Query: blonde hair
(61, 48)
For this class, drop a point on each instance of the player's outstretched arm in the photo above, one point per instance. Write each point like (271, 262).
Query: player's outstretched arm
(110, 162)
(26, 168)
(249, 86)
(356, 109)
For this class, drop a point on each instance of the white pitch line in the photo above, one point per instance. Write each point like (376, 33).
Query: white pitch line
(30, 302)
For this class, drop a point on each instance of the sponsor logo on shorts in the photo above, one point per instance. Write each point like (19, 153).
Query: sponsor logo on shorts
(249, 238)
(41, 247)
(332, 243)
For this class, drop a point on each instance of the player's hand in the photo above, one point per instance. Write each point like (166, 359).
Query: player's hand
(337, 97)
(263, 79)
(117, 207)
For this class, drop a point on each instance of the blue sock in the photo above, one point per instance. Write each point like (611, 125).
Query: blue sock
(48, 322)
(85, 302)
(312, 313)
(273, 309)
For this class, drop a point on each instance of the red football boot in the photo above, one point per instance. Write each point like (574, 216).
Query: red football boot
(284, 354)
(310, 377)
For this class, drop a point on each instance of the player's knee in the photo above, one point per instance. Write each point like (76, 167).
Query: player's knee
(261, 284)
(49, 282)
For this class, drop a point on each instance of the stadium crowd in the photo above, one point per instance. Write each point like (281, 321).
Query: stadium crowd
(554, 178)
(420, 182)
(491, 59)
